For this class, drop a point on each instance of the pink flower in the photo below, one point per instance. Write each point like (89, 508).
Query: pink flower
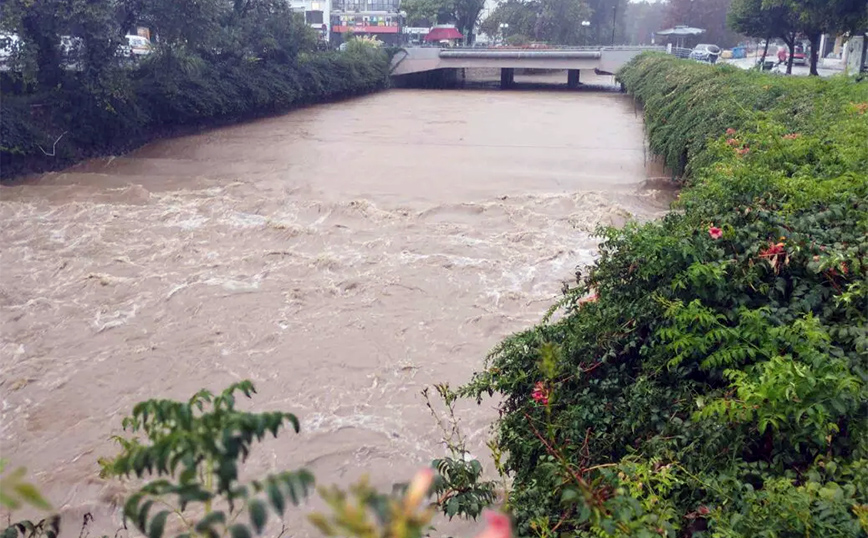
(592, 298)
(743, 151)
(715, 232)
(730, 131)
(540, 393)
(732, 142)
(418, 489)
(498, 525)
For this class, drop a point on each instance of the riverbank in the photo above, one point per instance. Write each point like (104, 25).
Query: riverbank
(165, 97)
(707, 372)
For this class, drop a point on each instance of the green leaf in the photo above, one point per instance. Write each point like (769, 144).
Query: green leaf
(569, 496)
(10, 532)
(158, 524)
(239, 531)
(452, 506)
(276, 497)
(258, 514)
(206, 524)
(142, 516)
(294, 421)
(131, 508)
(52, 526)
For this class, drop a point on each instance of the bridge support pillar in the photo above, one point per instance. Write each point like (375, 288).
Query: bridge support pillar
(507, 77)
(573, 78)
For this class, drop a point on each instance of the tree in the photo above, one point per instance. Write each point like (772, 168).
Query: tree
(553, 21)
(606, 18)
(755, 19)
(710, 15)
(641, 20)
(464, 14)
(38, 26)
(817, 17)
(559, 21)
(520, 15)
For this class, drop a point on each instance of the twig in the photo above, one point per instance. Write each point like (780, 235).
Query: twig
(586, 452)
(554, 452)
(54, 147)
(88, 518)
(564, 517)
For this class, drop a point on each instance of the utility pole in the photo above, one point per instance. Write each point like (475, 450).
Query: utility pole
(614, 18)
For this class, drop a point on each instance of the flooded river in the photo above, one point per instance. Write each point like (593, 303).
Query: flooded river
(342, 257)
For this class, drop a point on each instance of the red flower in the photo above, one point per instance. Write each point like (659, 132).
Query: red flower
(540, 393)
(715, 232)
(732, 142)
(730, 131)
(743, 151)
(774, 249)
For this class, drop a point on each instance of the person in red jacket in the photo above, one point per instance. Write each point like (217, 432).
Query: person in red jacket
(782, 54)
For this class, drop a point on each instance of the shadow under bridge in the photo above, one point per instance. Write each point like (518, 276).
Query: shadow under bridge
(603, 60)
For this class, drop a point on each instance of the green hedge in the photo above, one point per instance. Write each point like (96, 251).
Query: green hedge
(167, 92)
(709, 375)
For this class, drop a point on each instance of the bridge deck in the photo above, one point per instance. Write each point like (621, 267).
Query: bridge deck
(606, 59)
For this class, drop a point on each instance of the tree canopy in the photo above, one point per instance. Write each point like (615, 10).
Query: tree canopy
(816, 17)
(753, 18)
(559, 22)
(464, 14)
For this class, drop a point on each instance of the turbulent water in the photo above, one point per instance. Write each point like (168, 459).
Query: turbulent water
(342, 257)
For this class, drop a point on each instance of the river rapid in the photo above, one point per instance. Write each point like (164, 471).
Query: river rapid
(341, 256)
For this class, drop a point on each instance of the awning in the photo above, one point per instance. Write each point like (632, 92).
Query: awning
(439, 33)
(681, 31)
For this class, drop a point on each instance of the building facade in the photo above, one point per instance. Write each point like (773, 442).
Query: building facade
(316, 14)
(380, 18)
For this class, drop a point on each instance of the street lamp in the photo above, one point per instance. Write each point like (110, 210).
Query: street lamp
(504, 26)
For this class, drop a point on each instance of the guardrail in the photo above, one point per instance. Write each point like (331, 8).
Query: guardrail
(541, 48)
(521, 54)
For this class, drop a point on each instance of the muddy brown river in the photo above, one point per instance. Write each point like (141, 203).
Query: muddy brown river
(342, 257)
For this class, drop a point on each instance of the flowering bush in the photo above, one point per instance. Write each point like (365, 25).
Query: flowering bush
(717, 386)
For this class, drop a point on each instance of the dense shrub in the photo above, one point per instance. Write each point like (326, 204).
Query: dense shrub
(709, 375)
(170, 90)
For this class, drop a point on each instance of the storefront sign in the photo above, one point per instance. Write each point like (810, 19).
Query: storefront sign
(366, 29)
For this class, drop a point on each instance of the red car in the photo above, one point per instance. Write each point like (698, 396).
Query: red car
(799, 56)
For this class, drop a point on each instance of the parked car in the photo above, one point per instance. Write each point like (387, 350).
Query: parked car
(799, 56)
(705, 53)
(138, 45)
(8, 44)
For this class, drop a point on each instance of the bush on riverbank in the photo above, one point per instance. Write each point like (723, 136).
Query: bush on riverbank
(222, 62)
(709, 375)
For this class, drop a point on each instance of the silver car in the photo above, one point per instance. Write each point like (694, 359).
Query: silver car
(705, 53)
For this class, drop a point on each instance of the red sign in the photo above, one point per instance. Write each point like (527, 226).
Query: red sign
(366, 29)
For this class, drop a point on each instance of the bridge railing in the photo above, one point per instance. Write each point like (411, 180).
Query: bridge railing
(542, 48)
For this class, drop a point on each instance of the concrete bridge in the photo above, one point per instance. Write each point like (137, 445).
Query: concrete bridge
(605, 60)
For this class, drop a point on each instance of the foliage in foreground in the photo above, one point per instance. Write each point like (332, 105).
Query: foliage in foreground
(709, 375)
(194, 450)
(190, 455)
